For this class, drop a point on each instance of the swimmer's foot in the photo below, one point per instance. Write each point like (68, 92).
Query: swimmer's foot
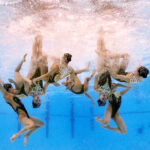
(98, 119)
(13, 138)
(25, 139)
(101, 121)
(106, 126)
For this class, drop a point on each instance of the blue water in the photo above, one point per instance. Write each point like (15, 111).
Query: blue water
(69, 119)
(70, 124)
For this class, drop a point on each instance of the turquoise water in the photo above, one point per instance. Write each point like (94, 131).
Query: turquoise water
(69, 119)
(70, 124)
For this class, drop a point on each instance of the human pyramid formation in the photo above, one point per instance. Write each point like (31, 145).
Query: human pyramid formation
(113, 65)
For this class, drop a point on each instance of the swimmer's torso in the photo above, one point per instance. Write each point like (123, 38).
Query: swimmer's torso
(17, 105)
(104, 82)
(76, 86)
(115, 102)
(62, 72)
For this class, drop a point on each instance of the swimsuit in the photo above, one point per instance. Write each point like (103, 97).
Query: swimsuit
(37, 89)
(115, 103)
(19, 106)
(22, 91)
(80, 92)
(105, 83)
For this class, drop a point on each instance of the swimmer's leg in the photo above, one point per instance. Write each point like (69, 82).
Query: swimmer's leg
(39, 47)
(34, 57)
(86, 86)
(86, 81)
(20, 64)
(43, 65)
(18, 77)
(124, 63)
(86, 94)
(120, 123)
(37, 124)
(107, 116)
(83, 70)
(28, 125)
(35, 48)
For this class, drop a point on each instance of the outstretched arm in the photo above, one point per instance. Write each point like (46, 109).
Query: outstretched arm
(51, 72)
(125, 90)
(86, 94)
(96, 85)
(83, 70)
(2, 89)
(116, 85)
(45, 87)
(123, 78)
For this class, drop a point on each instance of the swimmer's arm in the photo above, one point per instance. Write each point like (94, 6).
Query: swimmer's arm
(56, 69)
(5, 94)
(116, 76)
(83, 70)
(119, 85)
(125, 90)
(86, 94)
(41, 77)
(45, 86)
(121, 77)
(2, 89)
(96, 85)
(12, 81)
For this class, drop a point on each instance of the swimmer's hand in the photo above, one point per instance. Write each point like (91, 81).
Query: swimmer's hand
(64, 83)
(132, 87)
(24, 58)
(34, 81)
(28, 81)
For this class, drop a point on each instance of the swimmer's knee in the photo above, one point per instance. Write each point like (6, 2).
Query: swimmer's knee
(41, 123)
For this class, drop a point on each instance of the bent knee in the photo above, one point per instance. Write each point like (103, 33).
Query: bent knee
(31, 125)
(123, 131)
(41, 123)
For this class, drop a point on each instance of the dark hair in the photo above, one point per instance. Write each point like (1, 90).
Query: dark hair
(143, 72)
(7, 86)
(101, 102)
(36, 103)
(103, 79)
(68, 57)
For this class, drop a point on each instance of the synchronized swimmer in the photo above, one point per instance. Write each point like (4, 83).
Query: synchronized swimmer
(111, 66)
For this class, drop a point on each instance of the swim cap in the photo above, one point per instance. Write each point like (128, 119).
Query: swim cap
(7, 86)
(143, 72)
